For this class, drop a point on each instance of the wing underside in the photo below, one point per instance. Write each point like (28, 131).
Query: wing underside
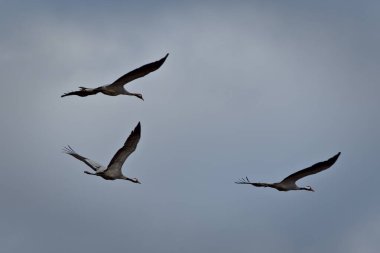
(128, 148)
(139, 72)
(90, 163)
(316, 168)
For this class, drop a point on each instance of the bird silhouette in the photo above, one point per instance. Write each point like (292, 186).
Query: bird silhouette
(117, 87)
(113, 170)
(289, 183)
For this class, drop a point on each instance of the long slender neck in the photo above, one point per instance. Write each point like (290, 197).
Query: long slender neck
(134, 180)
(138, 95)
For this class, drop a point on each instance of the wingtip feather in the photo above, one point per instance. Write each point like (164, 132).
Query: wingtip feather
(334, 158)
(66, 149)
(137, 129)
(163, 59)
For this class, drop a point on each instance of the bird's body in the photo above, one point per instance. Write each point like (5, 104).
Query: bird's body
(289, 183)
(113, 170)
(117, 87)
(113, 90)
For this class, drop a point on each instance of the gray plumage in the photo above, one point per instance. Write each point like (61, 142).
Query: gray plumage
(113, 170)
(117, 87)
(289, 183)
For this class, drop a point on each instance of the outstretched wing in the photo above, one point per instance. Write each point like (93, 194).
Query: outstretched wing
(92, 164)
(83, 92)
(139, 72)
(318, 167)
(246, 181)
(129, 146)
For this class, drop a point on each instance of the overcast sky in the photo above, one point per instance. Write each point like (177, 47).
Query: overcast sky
(257, 89)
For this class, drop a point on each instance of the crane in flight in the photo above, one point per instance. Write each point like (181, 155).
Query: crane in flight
(289, 183)
(113, 170)
(117, 87)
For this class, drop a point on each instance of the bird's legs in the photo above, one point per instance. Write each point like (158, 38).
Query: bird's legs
(89, 173)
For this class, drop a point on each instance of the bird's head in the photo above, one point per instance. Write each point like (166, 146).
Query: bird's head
(308, 188)
(134, 180)
(139, 96)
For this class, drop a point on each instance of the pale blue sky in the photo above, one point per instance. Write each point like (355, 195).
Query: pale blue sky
(257, 89)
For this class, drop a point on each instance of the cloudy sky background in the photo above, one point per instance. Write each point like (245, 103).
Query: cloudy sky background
(257, 89)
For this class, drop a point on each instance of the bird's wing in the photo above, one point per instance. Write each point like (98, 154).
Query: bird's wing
(318, 167)
(83, 92)
(92, 164)
(139, 72)
(246, 181)
(122, 154)
(243, 181)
